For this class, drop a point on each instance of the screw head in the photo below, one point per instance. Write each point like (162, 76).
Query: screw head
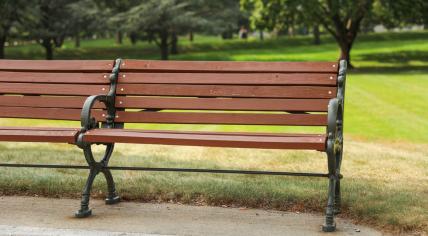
(121, 89)
(123, 76)
(103, 89)
(329, 92)
(103, 115)
(334, 65)
(331, 77)
(120, 102)
(105, 76)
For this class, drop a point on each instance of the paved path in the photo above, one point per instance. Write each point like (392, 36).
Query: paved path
(49, 216)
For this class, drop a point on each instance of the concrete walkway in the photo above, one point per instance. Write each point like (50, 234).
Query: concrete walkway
(49, 216)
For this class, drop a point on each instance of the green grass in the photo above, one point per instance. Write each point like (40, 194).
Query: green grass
(385, 165)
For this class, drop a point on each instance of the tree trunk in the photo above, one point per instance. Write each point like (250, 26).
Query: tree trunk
(47, 44)
(174, 42)
(316, 32)
(261, 35)
(119, 37)
(133, 37)
(345, 53)
(191, 36)
(77, 40)
(2, 42)
(164, 46)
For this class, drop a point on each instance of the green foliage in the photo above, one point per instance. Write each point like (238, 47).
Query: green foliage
(159, 21)
(11, 11)
(397, 13)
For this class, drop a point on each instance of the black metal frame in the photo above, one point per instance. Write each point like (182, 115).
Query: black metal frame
(334, 150)
(95, 167)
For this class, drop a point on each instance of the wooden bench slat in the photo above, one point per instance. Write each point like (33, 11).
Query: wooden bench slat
(45, 101)
(314, 142)
(57, 65)
(53, 89)
(226, 66)
(230, 78)
(227, 91)
(59, 78)
(222, 118)
(244, 104)
(217, 133)
(46, 113)
(35, 134)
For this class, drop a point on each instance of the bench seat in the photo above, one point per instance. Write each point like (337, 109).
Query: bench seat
(211, 139)
(39, 134)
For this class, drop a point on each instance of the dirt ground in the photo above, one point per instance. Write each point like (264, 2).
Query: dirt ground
(50, 216)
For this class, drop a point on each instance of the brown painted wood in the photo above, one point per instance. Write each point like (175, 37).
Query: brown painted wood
(227, 66)
(37, 128)
(53, 89)
(57, 65)
(59, 78)
(217, 133)
(222, 118)
(244, 104)
(32, 134)
(314, 142)
(45, 101)
(230, 78)
(227, 91)
(45, 113)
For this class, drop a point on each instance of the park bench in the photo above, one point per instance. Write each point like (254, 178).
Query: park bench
(106, 95)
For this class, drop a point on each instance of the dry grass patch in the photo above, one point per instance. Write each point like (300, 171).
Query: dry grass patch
(384, 184)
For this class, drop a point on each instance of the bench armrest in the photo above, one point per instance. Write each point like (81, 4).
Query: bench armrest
(335, 123)
(87, 121)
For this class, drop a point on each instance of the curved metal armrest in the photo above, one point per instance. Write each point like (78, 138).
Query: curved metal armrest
(333, 108)
(335, 116)
(334, 126)
(86, 120)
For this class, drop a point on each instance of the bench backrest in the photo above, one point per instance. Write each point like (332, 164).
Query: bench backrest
(277, 93)
(51, 89)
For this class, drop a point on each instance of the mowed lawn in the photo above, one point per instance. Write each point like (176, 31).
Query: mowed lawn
(385, 166)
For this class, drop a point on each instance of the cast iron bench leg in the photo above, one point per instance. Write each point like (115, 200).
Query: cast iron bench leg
(112, 197)
(95, 169)
(330, 224)
(84, 210)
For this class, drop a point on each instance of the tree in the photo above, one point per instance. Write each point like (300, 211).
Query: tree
(342, 19)
(279, 16)
(85, 18)
(11, 12)
(50, 24)
(160, 20)
(400, 13)
(258, 15)
(115, 8)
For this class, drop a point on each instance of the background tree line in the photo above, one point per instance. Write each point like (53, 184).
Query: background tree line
(50, 22)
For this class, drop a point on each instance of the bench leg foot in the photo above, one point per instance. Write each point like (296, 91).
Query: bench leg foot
(84, 210)
(330, 225)
(112, 197)
(83, 213)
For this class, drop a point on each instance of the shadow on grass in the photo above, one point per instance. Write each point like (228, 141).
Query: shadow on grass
(390, 69)
(397, 57)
